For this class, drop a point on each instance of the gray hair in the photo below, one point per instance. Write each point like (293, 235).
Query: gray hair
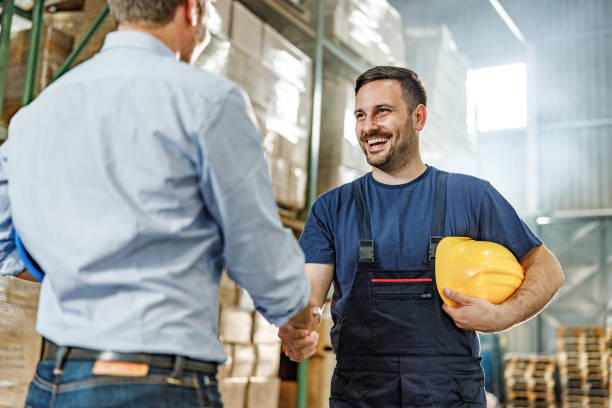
(153, 12)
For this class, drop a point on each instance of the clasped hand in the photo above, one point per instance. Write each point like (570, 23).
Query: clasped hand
(299, 335)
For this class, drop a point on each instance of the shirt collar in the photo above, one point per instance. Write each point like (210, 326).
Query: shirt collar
(136, 39)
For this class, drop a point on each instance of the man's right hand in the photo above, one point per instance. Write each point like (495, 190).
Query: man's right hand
(299, 335)
(298, 344)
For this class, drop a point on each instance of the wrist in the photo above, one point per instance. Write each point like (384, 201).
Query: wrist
(504, 317)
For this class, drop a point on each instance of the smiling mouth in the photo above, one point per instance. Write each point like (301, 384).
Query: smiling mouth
(377, 144)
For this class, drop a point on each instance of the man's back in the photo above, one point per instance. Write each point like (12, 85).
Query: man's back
(130, 198)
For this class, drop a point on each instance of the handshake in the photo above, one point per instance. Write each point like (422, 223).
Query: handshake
(299, 335)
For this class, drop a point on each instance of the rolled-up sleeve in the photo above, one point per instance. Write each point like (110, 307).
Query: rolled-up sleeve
(261, 255)
(10, 262)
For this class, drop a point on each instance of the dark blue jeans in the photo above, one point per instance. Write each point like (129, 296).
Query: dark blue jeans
(77, 387)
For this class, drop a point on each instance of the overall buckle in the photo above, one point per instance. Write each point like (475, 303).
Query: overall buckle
(366, 251)
(433, 245)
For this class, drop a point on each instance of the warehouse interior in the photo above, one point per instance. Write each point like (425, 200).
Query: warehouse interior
(519, 95)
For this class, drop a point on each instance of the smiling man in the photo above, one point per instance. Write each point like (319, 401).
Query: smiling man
(396, 344)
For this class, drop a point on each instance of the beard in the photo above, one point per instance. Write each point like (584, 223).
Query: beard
(398, 156)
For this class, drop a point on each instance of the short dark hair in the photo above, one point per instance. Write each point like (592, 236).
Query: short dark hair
(412, 86)
(156, 12)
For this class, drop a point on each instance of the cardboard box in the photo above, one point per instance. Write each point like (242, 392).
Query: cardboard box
(20, 344)
(243, 363)
(245, 301)
(228, 290)
(55, 48)
(220, 18)
(324, 344)
(263, 392)
(288, 394)
(77, 23)
(285, 59)
(320, 371)
(235, 325)
(246, 30)
(263, 331)
(268, 360)
(225, 370)
(233, 392)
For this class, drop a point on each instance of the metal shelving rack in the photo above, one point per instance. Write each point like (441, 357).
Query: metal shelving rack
(36, 16)
(313, 41)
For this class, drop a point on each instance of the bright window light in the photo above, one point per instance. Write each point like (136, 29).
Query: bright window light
(497, 97)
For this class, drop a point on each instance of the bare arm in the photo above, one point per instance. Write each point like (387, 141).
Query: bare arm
(543, 278)
(321, 276)
(301, 344)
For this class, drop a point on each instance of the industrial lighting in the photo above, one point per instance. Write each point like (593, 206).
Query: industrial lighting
(497, 98)
(504, 16)
(543, 220)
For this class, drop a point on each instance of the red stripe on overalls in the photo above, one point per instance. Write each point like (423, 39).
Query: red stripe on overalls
(402, 280)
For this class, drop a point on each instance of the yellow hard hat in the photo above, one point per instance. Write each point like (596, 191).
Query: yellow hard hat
(476, 268)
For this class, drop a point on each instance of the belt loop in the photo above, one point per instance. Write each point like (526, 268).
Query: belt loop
(60, 359)
(177, 370)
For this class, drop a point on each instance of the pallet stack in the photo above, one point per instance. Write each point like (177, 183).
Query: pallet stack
(530, 381)
(583, 358)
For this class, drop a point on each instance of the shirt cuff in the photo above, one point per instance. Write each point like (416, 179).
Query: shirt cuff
(302, 303)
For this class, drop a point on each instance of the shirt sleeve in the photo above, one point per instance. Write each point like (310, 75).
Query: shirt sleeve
(499, 222)
(317, 240)
(10, 262)
(261, 255)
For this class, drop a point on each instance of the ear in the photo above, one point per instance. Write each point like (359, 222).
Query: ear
(192, 11)
(419, 117)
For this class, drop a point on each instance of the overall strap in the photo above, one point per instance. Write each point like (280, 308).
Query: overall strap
(439, 213)
(366, 244)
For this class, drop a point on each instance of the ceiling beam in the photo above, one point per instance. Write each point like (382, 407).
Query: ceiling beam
(508, 21)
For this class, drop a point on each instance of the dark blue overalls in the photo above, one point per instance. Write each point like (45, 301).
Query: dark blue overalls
(395, 346)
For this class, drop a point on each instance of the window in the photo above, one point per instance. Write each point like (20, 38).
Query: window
(497, 97)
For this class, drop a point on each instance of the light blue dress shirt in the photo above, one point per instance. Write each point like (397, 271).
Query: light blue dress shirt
(132, 180)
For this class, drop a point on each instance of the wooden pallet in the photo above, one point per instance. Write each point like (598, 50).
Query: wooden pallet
(545, 397)
(577, 331)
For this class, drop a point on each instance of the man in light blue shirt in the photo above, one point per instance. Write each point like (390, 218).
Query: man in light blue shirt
(132, 181)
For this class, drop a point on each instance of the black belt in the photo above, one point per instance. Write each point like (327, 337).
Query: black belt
(178, 363)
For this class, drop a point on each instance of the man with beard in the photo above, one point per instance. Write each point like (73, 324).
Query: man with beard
(132, 181)
(397, 345)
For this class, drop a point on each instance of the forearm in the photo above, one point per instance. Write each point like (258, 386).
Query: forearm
(321, 277)
(543, 278)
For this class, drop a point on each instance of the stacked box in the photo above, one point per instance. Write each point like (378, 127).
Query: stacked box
(76, 23)
(324, 345)
(433, 55)
(369, 28)
(55, 48)
(277, 77)
(320, 370)
(20, 344)
(530, 381)
(583, 358)
(249, 378)
(341, 159)
(219, 18)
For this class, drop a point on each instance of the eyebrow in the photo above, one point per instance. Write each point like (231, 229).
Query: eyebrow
(380, 105)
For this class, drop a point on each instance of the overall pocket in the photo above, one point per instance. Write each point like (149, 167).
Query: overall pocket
(401, 311)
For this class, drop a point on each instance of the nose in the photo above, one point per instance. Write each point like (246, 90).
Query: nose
(368, 126)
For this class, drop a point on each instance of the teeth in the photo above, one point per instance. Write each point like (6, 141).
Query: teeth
(377, 140)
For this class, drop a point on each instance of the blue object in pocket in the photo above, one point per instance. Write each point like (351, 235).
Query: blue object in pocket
(29, 263)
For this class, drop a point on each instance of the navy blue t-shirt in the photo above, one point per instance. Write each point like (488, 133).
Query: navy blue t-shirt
(400, 216)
